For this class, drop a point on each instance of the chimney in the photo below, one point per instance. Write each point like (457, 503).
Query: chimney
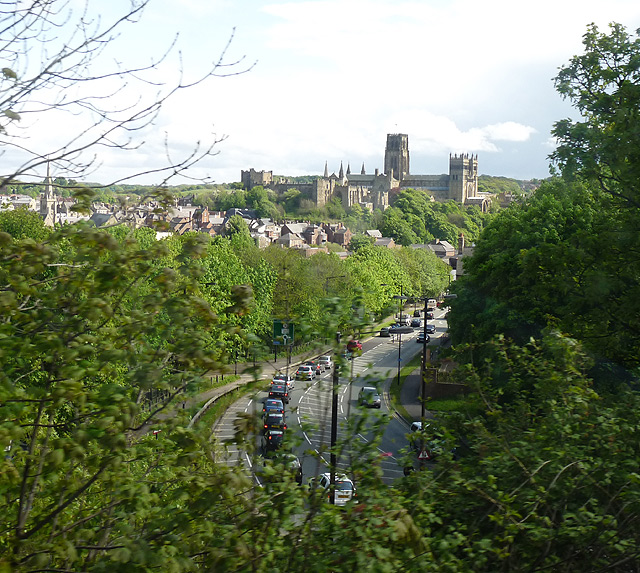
(460, 243)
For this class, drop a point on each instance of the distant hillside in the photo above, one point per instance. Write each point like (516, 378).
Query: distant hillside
(491, 184)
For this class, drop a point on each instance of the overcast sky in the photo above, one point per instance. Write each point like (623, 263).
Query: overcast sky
(333, 77)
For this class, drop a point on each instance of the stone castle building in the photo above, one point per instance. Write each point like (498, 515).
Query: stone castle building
(374, 190)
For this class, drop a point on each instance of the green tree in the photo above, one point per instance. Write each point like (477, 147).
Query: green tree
(551, 260)
(23, 224)
(360, 240)
(396, 226)
(545, 473)
(236, 225)
(103, 337)
(604, 86)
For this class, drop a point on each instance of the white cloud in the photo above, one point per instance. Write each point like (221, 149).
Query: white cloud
(507, 131)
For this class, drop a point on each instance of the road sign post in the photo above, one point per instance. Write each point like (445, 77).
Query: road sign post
(283, 332)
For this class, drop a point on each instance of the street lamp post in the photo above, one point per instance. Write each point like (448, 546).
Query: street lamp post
(424, 367)
(335, 383)
(333, 462)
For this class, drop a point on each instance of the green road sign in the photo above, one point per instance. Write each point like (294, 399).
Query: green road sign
(283, 332)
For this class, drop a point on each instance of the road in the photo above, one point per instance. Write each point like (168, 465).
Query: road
(309, 412)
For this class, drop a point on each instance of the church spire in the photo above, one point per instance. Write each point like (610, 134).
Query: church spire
(341, 172)
(48, 183)
(363, 172)
(326, 169)
(348, 169)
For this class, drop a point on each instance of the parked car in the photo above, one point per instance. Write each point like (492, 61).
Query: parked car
(421, 338)
(417, 313)
(280, 392)
(369, 397)
(384, 331)
(272, 440)
(305, 372)
(431, 328)
(274, 421)
(416, 322)
(272, 405)
(325, 362)
(345, 489)
(354, 345)
(286, 379)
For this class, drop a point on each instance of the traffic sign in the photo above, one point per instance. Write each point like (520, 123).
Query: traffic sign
(423, 455)
(283, 332)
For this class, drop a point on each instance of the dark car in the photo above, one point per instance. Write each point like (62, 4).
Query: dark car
(273, 405)
(277, 463)
(369, 397)
(274, 421)
(417, 313)
(421, 338)
(384, 331)
(280, 392)
(429, 316)
(272, 440)
(416, 322)
(354, 345)
(431, 328)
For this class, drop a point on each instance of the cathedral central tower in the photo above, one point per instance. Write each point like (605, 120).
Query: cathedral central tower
(396, 155)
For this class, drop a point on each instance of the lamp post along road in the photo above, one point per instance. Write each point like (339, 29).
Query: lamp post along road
(335, 382)
(402, 329)
(423, 381)
(333, 462)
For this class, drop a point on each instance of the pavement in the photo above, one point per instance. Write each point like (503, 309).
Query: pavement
(410, 397)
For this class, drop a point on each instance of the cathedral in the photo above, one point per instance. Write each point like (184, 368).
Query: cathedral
(373, 190)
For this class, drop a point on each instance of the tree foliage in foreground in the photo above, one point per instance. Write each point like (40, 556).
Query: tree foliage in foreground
(569, 255)
(98, 337)
(603, 84)
(547, 478)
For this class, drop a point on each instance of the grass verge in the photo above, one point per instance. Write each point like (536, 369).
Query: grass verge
(220, 406)
(434, 405)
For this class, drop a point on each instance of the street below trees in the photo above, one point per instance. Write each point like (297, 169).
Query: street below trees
(308, 415)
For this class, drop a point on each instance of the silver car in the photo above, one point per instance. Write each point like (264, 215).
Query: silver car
(325, 362)
(369, 396)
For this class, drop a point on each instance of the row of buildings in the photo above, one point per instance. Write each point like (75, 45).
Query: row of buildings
(180, 219)
(307, 237)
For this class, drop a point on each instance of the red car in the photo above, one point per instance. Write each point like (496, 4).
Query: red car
(354, 345)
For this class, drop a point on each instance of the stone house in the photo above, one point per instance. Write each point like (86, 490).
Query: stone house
(291, 240)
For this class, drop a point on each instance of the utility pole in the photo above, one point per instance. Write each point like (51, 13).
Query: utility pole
(402, 329)
(423, 373)
(333, 462)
